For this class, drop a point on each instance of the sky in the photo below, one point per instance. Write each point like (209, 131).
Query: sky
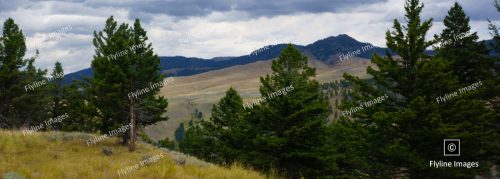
(63, 30)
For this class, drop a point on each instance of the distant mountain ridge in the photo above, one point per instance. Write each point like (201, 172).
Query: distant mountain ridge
(326, 50)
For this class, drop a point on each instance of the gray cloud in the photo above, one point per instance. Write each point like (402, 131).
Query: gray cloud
(11, 5)
(256, 8)
(209, 28)
(475, 9)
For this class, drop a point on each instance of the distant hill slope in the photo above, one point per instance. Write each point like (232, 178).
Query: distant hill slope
(329, 49)
(66, 155)
(188, 93)
(326, 50)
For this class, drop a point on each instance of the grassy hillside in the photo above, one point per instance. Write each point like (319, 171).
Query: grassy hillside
(66, 155)
(187, 93)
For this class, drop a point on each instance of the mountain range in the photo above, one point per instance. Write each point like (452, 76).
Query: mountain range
(327, 50)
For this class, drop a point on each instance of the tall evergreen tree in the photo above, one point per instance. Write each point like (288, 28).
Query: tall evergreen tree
(20, 104)
(226, 125)
(35, 101)
(494, 97)
(409, 43)
(126, 78)
(406, 130)
(469, 58)
(289, 127)
(12, 50)
(494, 30)
(58, 102)
(222, 135)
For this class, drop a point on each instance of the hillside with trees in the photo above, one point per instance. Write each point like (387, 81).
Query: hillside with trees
(388, 124)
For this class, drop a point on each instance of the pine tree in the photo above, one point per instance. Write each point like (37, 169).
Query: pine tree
(126, 78)
(407, 129)
(197, 143)
(180, 133)
(289, 127)
(460, 46)
(12, 48)
(223, 134)
(20, 104)
(83, 116)
(493, 100)
(470, 60)
(225, 126)
(412, 51)
(35, 102)
(494, 30)
(58, 101)
(166, 143)
(345, 151)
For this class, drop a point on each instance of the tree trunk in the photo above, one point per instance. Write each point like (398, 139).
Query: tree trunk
(131, 144)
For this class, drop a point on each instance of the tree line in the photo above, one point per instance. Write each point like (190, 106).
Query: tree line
(290, 135)
(100, 103)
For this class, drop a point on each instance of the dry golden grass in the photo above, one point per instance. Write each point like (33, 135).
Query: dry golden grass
(66, 155)
(206, 89)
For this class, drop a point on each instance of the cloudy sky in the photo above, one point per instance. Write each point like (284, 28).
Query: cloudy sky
(62, 30)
